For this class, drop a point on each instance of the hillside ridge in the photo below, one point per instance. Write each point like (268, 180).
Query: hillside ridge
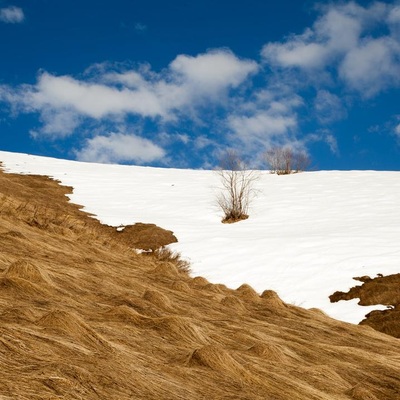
(83, 316)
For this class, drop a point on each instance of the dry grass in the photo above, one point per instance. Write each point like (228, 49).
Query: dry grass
(164, 254)
(84, 317)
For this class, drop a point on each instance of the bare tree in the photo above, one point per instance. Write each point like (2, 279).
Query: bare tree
(302, 161)
(284, 160)
(238, 189)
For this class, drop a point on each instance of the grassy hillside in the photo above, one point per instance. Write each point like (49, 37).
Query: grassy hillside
(84, 317)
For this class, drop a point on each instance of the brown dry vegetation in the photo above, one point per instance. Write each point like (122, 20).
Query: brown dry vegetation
(381, 290)
(84, 317)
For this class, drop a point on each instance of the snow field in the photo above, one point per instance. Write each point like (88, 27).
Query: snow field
(307, 236)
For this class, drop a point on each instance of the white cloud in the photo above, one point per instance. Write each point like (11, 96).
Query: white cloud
(11, 15)
(336, 31)
(397, 130)
(212, 71)
(394, 21)
(267, 118)
(120, 147)
(186, 84)
(372, 66)
(60, 124)
(140, 27)
(130, 79)
(328, 107)
(358, 44)
(295, 53)
(261, 125)
(324, 136)
(92, 99)
(332, 143)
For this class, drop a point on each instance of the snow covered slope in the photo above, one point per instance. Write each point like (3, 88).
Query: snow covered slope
(307, 236)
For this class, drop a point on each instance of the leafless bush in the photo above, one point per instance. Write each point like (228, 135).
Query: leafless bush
(284, 160)
(238, 189)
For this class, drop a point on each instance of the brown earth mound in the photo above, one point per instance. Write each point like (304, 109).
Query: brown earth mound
(383, 290)
(146, 236)
(82, 316)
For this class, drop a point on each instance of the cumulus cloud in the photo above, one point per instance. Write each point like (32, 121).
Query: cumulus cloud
(142, 93)
(108, 96)
(372, 66)
(91, 99)
(261, 125)
(58, 124)
(296, 53)
(120, 148)
(212, 71)
(207, 101)
(359, 45)
(268, 119)
(11, 15)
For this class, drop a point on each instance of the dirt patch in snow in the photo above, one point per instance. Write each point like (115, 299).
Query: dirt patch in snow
(146, 236)
(383, 290)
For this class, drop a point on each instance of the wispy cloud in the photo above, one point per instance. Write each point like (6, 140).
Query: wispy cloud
(262, 128)
(11, 15)
(329, 107)
(140, 27)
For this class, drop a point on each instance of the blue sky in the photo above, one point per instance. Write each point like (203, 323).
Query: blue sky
(176, 83)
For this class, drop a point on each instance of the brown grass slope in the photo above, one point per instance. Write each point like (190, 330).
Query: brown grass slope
(83, 317)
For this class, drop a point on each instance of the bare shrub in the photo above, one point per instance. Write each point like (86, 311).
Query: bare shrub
(301, 161)
(237, 187)
(284, 160)
(174, 257)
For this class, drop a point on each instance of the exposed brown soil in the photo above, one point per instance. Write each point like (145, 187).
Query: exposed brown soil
(232, 220)
(147, 236)
(82, 316)
(383, 290)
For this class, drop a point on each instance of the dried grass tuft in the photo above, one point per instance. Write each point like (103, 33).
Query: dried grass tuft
(127, 315)
(247, 293)
(219, 360)
(25, 269)
(198, 282)
(158, 299)
(360, 392)
(69, 324)
(16, 314)
(22, 288)
(268, 352)
(233, 303)
(273, 302)
(324, 378)
(167, 255)
(181, 286)
(181, 329)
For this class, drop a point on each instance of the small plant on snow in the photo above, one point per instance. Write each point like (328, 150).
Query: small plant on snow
(237, 191)
(285, 161)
